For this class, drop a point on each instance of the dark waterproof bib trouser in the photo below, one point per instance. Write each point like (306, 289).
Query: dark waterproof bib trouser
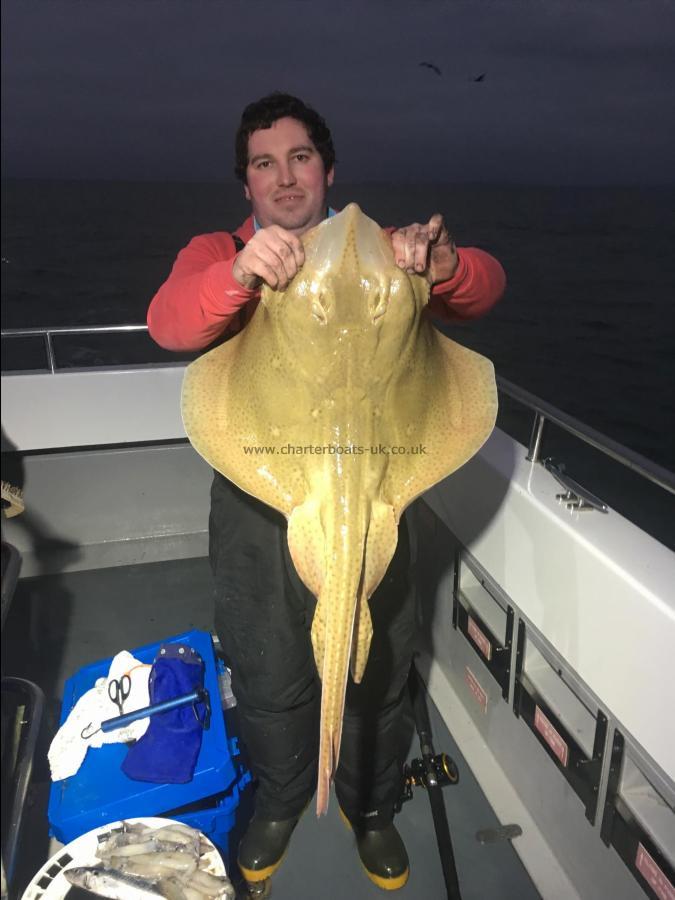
(263, 620)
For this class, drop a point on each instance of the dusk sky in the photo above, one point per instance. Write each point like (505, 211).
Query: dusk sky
(574, 91)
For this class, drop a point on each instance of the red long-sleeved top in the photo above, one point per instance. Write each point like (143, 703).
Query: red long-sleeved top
(201, 299)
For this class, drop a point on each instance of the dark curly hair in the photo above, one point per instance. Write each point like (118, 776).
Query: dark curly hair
(265, 112)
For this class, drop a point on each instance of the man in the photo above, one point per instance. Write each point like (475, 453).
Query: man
(285, 159)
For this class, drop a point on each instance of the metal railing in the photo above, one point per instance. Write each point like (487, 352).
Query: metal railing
(47, 334)
(543, 412)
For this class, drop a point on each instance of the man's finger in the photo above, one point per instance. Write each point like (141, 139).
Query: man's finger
(411, 247)
(286, 257)
(298, 253)
(284, 245)
(398, 246)
(278, 253)
(294, 245)
(274, 271)
(265, 271)
(421, 250)
(435, 227)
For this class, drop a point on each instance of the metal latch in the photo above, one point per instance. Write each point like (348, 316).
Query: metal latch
(495, 835)
(575, 496)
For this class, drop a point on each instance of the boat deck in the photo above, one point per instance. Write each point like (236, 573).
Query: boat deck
(57, 624)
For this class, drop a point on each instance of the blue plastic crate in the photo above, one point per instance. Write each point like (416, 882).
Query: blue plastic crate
(218, 821)
(100, 792)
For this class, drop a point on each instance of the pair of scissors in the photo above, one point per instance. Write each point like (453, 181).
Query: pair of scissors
(118, 691)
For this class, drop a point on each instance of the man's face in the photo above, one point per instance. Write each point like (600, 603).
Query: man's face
(285, 177)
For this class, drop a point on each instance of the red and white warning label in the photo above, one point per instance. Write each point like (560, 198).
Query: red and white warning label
(551, 736)
(657, 880)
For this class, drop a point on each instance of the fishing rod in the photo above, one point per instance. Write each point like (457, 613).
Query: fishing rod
(433, 772)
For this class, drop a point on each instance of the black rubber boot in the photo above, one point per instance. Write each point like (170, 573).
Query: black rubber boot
(383, 855)
(263, 847)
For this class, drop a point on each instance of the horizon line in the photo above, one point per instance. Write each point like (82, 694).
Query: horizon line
(375, 182)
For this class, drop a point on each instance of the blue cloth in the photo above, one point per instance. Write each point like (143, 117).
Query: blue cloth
(167, 753)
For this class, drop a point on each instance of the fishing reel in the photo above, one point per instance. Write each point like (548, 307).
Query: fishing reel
(431, 771)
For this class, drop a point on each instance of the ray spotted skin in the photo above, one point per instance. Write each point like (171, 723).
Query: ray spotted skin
(344, 358)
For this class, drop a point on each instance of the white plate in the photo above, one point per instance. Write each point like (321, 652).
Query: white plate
(82, 851)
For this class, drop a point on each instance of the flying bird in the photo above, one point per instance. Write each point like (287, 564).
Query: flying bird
(480, 77)
(428, 65)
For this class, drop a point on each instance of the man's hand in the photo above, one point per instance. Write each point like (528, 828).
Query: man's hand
(426, 250)
(273, 256)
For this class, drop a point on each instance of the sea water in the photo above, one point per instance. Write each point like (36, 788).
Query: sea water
(587, 321)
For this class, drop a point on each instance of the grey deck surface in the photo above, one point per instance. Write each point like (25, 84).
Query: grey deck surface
(58, 624)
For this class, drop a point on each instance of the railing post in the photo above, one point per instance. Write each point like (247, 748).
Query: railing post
(536, 437)
(51, 359)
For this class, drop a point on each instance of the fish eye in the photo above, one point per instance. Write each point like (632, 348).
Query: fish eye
(380, 303)
(318, 311)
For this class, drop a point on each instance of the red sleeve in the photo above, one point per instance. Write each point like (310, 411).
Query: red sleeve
(478, 283)
(199, 300)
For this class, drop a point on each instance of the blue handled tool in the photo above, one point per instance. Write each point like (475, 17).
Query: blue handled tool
(199, 695)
